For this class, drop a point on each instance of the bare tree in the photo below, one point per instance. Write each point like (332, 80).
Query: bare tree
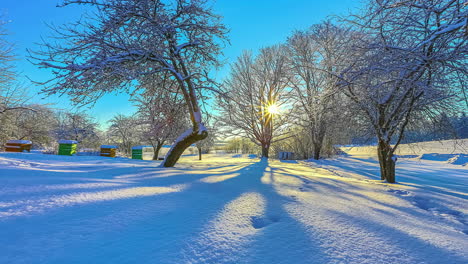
(124, 132)
(204, 146)
(36, 125)
(13, 96)
(408, 56)
(161, 113)
(77, 126)
(125, 41)
(254, 92)
(316, 57)
(6, 56)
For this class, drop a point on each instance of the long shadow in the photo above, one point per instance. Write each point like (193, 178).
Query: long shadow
(405, 241)
(347, 191)
(405, 176)
(277, 225)
(158, 227)
(397, 236)
(155, 227)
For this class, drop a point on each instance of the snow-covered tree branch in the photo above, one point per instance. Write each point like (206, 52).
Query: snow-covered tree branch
(407, 56)
(123, 42)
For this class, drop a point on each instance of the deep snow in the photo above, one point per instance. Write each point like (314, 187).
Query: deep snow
(230, 209)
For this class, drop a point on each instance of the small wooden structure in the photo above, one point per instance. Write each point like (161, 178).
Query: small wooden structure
(108, 151)
(18, 146)
(142, 152)
(284, 155)
(67, 147)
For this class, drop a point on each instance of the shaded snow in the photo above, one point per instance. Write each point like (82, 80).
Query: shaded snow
(60, 209)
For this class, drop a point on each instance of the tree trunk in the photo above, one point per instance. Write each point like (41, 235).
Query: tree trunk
(265, 150)
(317, 141)
(199, 153)
(317, 149)
(387, 161)
(156, 150)
(176, 151)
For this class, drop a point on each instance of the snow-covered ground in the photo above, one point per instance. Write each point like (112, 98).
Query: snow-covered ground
(225, 209)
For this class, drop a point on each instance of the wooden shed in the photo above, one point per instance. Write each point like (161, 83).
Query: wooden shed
(142, 152)
(18, 146)
(108, 151)
(67, 147)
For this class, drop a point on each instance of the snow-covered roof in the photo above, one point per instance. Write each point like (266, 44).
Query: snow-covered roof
(109, 146)
(141, 147)
(62, 141)
(19, 141)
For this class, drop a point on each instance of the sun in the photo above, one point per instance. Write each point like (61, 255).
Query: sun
(273, 109)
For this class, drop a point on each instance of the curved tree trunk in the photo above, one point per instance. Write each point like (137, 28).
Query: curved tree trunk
(387, 161)
(180, 146)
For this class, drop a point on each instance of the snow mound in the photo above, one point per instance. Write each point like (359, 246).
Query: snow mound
(459, 159)
(455, 159)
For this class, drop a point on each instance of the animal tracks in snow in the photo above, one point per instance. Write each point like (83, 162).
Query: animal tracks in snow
(433, 207)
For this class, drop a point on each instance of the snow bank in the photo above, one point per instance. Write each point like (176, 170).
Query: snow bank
(439, 147)
(455, 159)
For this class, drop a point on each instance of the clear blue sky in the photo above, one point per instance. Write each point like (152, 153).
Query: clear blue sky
(253, 24)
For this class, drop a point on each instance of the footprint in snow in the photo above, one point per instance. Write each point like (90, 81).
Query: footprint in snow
(400, 192)
(262, 221)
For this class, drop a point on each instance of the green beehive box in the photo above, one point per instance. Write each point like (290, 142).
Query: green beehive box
(136, 153)
(67, 147)
(142, 152)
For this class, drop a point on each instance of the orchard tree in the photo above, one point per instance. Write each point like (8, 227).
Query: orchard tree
(161, 111)
(13, 96)
(78, 126)
(254, 94)
(36, 125)
(316, 56)
(204, 146)
(407, 57)
(122, 42)
(125, 131)
(6, 56)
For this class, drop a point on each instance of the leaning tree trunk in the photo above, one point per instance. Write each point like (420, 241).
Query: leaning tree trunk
(387, 161)
(181, 145)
